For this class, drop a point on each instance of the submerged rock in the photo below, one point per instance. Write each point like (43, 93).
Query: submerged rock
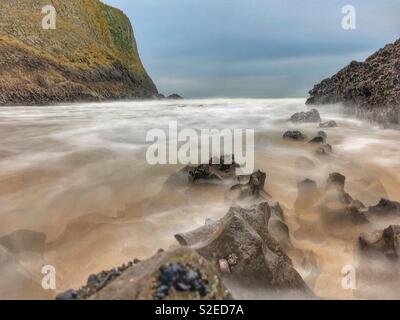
(337, 206)
(294, 135)
(253, 188)
(304, 117)
(216, 169)
(328, 124)
(324, 149)
(307, 195)
(385, 207)
(385, 241)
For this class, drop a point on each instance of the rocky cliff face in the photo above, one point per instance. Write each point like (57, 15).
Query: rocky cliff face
(90, 56)
(372, 85)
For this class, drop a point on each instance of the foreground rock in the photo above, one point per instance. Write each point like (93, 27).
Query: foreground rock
(92, 57)
(254, 258)
(373, 85)
(177, 275)
(305, 117)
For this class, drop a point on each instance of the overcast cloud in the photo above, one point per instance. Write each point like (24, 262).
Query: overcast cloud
(253, 48)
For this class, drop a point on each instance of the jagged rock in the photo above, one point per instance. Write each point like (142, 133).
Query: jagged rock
(304, 117)
(259, 258)
(24, 241)
(294, 135)
(372, 86)
(324, 149)
(181, 274)
(385, 241)
(328, 124)
(216, 169)
(254, 188)
(203, 171)
(385, 207)
(337, 206)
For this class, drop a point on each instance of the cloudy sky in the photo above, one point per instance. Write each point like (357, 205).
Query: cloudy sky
(254, 48)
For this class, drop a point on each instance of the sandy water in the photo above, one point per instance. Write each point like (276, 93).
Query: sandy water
(78, 174)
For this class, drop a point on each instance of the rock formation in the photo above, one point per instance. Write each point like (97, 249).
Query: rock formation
(305, 117)
(382, 241)
(180, 274)
(373, 85)
(90, 56)
(385, 207)
(242, 238)
(294, 135)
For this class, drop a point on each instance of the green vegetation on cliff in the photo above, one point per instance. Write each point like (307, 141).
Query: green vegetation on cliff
(91, 55)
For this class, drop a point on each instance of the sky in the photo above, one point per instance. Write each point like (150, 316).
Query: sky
(254, 48)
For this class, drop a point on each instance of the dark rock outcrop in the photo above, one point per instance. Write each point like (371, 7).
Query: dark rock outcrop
(181, 274)
(385, 207)
(373, 85)
(305, 117)
(386, 242)
(328, 124)
(294, 135)
(253, 188)
(217, 169)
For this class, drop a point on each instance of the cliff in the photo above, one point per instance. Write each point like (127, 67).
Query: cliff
(372, 85)
(90, 56)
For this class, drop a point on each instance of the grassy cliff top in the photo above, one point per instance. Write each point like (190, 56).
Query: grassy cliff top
(89, 34)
